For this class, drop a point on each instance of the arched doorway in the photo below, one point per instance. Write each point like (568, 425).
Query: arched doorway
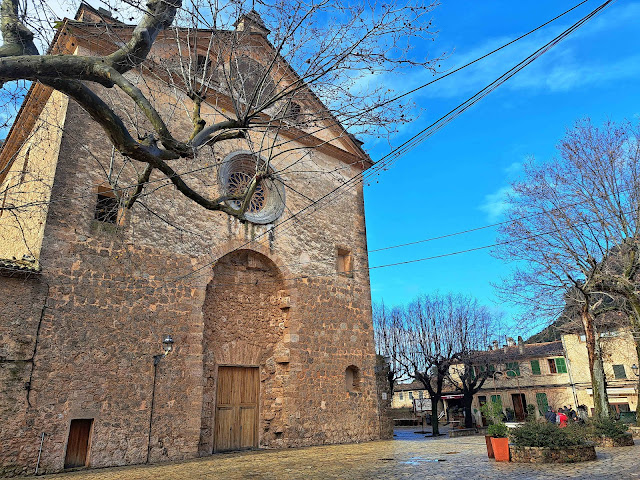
(243, 324)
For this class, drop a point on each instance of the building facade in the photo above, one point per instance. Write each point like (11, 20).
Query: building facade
(541, 375)
(271, 328)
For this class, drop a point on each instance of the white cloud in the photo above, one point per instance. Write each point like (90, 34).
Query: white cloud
(558, 70)
(496, 204)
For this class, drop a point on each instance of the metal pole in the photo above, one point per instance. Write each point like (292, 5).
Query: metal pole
(39, 453)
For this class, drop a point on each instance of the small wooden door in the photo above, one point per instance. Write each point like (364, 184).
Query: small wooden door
(237, 408)
(78, 443)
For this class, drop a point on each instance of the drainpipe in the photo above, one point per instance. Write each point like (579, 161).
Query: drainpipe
(573, 385)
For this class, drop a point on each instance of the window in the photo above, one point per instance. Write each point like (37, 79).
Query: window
(400, 396)
(410, 395)
(535, 367)
(420, 394)
(543, 403)
(557, 365)
(352, 378)
(496, 399)
(618, 371)
(561, 365)
(106, 205)
(513, 369)
(236, 173)
(202, 65)
(345, 262)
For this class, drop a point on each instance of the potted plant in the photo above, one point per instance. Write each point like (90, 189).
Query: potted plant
(543, 442)
(499, 434)
(607, 432)
(492, 411)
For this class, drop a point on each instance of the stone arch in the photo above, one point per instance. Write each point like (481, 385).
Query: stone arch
(245, 314)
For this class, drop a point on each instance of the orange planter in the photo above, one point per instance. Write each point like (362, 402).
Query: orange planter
(500, 449)
(487, 439)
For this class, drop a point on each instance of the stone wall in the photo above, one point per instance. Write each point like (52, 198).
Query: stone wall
(22, 305)
(384, 398)
(580, 453)
(114, 291)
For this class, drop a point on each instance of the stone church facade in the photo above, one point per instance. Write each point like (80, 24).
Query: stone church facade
(271, 327)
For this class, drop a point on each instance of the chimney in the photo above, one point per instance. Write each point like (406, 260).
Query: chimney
(495, 345)
(511, 342)
(520, 345)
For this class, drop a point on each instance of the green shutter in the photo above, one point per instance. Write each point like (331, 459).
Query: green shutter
(535, 368)
(618, 371)
(513, 369)
(496, 399)
(543, 404)
(561, 365)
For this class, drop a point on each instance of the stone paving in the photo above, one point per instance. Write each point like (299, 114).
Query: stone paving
(408, 456)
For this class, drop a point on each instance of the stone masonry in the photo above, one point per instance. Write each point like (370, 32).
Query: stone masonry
(78, 338)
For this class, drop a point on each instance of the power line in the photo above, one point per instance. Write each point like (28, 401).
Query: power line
(208, 166)
(396, 153)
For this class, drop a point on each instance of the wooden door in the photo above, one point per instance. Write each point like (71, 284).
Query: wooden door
(519, 406)
(237, 408)
(78, 443)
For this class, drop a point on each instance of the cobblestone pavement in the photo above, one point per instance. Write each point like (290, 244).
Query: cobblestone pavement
(408, 456)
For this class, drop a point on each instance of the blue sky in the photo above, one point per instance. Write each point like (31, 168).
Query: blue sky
(456, 179)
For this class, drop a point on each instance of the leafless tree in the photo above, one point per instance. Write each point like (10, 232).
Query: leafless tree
(384, 321)
(476, 327)
(257, 81)
(429, 337)
(573, 228)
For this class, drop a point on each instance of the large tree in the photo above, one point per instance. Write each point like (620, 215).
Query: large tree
(573, 226)
(256, 75)
(432, 335)
(476, 327)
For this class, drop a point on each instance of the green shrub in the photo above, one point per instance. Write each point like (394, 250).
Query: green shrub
(492, 412)
(544, 434)
(606, 427)
(498, 430)
(531, 412)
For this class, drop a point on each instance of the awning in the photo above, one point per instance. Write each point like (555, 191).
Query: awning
(452, 397)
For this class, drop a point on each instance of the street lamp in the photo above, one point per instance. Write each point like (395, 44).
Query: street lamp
(167, 346)
(634, 368)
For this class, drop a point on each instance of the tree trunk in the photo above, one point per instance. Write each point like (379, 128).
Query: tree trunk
(466, 403)
(598, 382)
(635, 332)
(435, 427)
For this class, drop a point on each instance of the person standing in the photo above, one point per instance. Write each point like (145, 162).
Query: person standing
(550, 416)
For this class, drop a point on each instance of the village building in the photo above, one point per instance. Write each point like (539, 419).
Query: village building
(114, 352)
(541, 375)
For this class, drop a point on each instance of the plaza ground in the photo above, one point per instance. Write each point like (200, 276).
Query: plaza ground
(408, 456)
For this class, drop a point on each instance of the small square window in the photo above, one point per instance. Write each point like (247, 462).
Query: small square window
(552, 365)
(107, 206)
(202, 64)
(345, 261)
